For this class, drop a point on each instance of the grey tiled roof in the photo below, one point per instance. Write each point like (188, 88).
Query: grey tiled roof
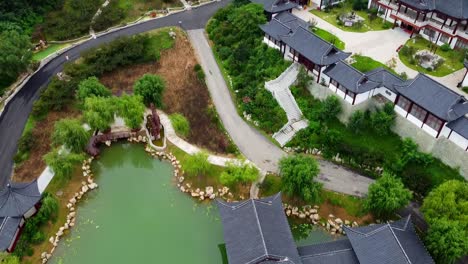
(8, 227)
(351, 78)
(17, 198)
(257, 231)
(336, 252)
(313, 47)
(388, 243)
(275, 6)
(384, 77)
(453, 8)
(460, 126)
(434, 97)
(283, 24)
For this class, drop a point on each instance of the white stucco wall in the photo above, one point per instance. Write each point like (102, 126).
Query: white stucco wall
(465, 80)
(400, 111)
(429, 130)
(270, 44)
(459, 140)
(360, 98)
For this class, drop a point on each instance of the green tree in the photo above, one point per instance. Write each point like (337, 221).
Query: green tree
(180, 124)
(99, 112)
(244, 174)
(449, 200)
(92, 87)
(62, 164)
(196, 164)
(132, 110)
(49, 208)
(151, 88)
(446, 240)
(15, 56)
(303, 79)
(71, 133)
(298, 173)
(386, 195)
(382, 121)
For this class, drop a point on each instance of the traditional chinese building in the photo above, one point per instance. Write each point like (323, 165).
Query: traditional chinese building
(440, 21)
(18, 202)
(257, 231)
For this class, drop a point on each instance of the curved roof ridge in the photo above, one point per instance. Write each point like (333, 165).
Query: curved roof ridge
(259, 226)
(399, 244)
(369, 233)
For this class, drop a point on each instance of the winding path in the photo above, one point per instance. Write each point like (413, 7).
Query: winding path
(16, 112)
(254, 145)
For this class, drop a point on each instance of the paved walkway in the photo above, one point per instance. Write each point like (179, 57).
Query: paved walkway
(253, 144)
(379, 45)
(279, 87)
(171, 135)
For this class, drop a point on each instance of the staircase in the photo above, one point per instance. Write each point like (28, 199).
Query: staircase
(279, 87)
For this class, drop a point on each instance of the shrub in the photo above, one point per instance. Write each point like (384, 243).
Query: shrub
(298, 173)
(56, 97)
(357, 122)
(445, 47)
(15, 56)
(99, 112)
(303, 79)
(131, 109)
(243, 174)
(465, 89)
(330, 108)
(359, 5)
(200, 73)
(386, 195)
(6, 258)
(197, 164)
(62, 164)
(110, 16)
(151, 88)
(92, 87)
(70, 132)
(181, 124)
(382, 121)
(25, 143)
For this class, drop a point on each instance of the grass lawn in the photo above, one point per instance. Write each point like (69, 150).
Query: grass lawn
(38, 56)
(365, 64)
(377, 24)
(333, 39)
(453, 59)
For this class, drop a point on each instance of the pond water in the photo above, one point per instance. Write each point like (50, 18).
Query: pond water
(137, 215)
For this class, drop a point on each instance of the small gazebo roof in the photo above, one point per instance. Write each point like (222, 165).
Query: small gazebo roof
(18, 198)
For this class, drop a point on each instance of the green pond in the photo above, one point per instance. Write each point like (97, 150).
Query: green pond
(137, 215)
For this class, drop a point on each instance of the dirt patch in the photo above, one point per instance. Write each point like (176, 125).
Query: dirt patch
(31, 168)
(327, 208)
(184, 93)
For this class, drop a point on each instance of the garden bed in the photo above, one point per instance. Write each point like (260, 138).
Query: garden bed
(184, 92)
(346, 8)
(452, 59)
(366, 64)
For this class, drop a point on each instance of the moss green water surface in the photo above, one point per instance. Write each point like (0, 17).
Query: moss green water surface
(137, 215)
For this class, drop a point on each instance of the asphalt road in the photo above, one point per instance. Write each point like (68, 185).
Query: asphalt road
(16, 113)
(254, 145)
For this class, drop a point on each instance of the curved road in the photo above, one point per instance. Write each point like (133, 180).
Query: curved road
(16, 113)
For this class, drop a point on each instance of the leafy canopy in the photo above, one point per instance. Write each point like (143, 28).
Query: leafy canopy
(386, 195)
(71, 133)
(15, 56)
(62, 164)
(447, 240)
(449, 200)
(151, 88)
(99, 112)
(131, 109)
(92, 87)
(243, 174)
(298, 173)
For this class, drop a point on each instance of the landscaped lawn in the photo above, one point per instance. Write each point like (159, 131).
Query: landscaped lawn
(331, 17)
(38, 56)
(366, 64)
(333, 39)
(136, 8)
(453, 59)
